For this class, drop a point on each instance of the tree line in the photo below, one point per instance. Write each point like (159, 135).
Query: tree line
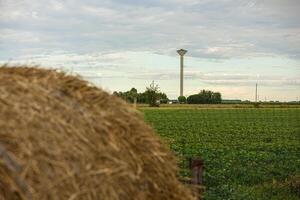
(153, 96)
(205, 97)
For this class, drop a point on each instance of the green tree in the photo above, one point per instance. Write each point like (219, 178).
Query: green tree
(152, 94)
(163, 97)
(128, 96)
(182, 99)
(141, 98)
(216, 97)
(132, 94)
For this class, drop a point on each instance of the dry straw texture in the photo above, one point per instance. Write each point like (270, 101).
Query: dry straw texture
(61, 138)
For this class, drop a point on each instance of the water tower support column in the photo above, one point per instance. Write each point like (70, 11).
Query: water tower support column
(181, 52)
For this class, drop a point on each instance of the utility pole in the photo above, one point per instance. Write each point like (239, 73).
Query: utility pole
(181, 52)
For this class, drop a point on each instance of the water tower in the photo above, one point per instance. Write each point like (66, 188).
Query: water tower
(181, 52)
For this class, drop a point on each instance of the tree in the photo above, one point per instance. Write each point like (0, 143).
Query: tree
(133, 90)
(132, 94)
(162, 97)
(216, 97)
(141, 98)
(128, 96)
(194, 99)
(205, 96)
(182, 99)
(152, 94)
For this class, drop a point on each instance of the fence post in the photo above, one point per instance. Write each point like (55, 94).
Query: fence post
(197, 168)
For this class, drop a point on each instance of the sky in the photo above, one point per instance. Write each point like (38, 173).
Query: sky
(120, 44)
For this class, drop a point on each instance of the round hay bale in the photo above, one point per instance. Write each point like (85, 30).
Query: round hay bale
(61, 138)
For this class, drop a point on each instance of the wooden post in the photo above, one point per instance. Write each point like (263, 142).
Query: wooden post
(197, 171)
(197, 168)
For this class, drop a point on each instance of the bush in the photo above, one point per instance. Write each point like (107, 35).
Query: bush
(182, 99)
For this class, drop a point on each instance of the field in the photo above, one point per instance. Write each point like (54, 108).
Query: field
(248, 153)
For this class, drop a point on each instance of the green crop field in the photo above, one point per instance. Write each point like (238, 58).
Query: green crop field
(248, 153)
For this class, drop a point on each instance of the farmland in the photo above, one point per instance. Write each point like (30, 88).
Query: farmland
(248, 153)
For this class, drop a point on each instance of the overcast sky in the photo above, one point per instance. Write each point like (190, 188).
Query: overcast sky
(119, 44)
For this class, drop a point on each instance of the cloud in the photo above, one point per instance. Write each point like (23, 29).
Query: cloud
(222, 79)
(209, 29)
(96, 39)
(118, 65)
(21, 37)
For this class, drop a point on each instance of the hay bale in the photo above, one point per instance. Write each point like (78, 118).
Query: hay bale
(61, 138)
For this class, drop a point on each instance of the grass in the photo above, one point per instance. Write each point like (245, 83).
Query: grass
(248, 153)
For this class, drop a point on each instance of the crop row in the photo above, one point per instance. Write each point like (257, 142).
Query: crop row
(244, 150)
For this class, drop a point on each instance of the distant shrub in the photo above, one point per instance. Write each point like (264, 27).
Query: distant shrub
(182, 99)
